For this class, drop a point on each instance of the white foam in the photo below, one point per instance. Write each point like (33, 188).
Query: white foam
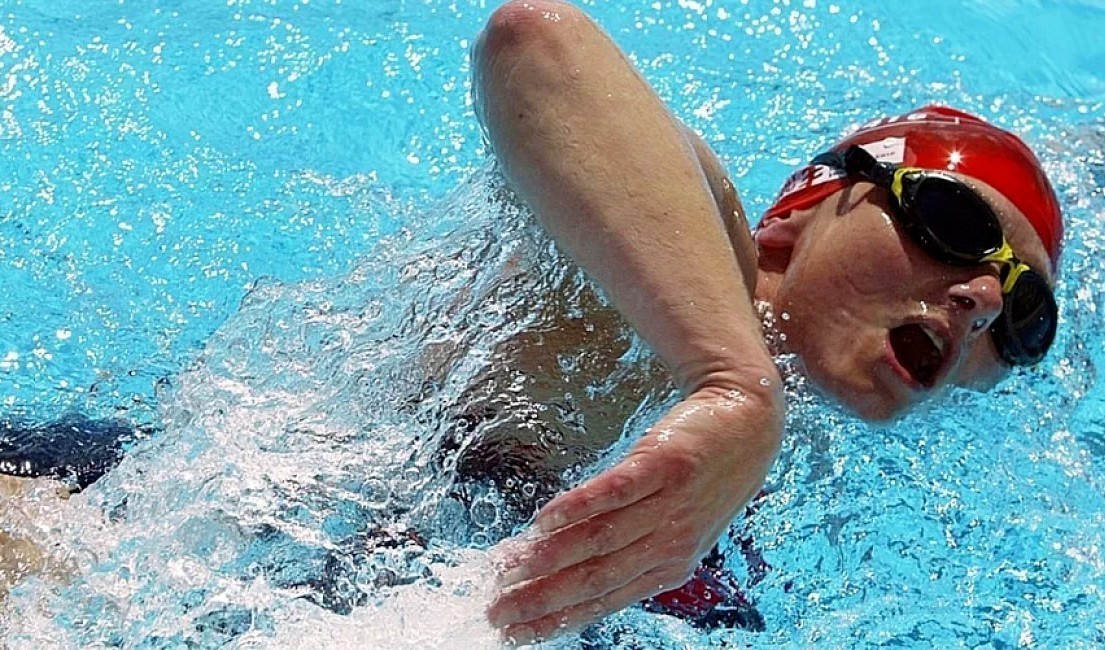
(419, 616)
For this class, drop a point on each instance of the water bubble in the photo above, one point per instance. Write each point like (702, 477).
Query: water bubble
(484, 512)
(377, 493)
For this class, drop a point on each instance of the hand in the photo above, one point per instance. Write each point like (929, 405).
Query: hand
(641, 527)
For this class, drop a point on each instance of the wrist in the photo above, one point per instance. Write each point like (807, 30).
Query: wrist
(751, 373)
(752, 388)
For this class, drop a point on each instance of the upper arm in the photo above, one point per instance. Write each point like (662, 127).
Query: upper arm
(729, 206)
(591, 149)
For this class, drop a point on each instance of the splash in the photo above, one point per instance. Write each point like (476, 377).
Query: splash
(297, 477)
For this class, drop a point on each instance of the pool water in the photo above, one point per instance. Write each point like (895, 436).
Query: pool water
(247, 223)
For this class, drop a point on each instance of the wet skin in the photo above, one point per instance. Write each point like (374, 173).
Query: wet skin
(603, 164)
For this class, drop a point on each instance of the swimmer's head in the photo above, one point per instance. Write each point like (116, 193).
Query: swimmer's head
(875, 320)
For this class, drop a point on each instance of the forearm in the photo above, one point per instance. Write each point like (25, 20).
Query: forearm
(609, 172)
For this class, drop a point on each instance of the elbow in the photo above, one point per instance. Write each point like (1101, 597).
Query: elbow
(522, 55)
(523, 23)
(521, 28)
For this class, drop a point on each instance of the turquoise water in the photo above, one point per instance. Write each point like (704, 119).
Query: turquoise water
(245, 221)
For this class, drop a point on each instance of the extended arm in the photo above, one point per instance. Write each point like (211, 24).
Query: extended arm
(615, 179)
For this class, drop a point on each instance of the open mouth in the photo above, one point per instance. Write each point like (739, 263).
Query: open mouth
(920, 351)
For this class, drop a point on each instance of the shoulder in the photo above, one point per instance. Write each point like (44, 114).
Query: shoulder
(729, 206)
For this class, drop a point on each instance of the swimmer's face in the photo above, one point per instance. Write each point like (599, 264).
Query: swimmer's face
(875, 321)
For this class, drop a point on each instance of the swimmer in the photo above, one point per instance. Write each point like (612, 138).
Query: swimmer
(916, 256)
(884, 299)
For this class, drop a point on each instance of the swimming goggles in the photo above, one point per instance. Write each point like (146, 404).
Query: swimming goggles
(953, 224)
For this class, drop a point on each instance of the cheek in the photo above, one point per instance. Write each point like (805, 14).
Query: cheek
(877, 274)
(870, 258)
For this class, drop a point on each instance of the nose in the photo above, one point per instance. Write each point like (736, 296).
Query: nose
(977, 303)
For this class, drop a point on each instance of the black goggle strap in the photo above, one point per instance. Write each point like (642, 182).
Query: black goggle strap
(856, 161)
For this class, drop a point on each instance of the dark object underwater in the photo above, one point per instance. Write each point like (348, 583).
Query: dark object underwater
(75, 449)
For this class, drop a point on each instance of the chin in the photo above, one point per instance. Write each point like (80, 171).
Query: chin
(870, 403)
(855, 385)
(879, 411)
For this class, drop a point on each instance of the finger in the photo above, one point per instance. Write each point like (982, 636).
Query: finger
(591, 538)
(626, 483)
(580, 583)
(576, 617)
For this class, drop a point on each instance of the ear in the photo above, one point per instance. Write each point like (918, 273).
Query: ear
(776, 238)
(782, 232)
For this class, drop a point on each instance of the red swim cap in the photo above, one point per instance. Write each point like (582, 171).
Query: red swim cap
(937, 137)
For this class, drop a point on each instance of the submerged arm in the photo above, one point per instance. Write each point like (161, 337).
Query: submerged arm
(619, 184)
